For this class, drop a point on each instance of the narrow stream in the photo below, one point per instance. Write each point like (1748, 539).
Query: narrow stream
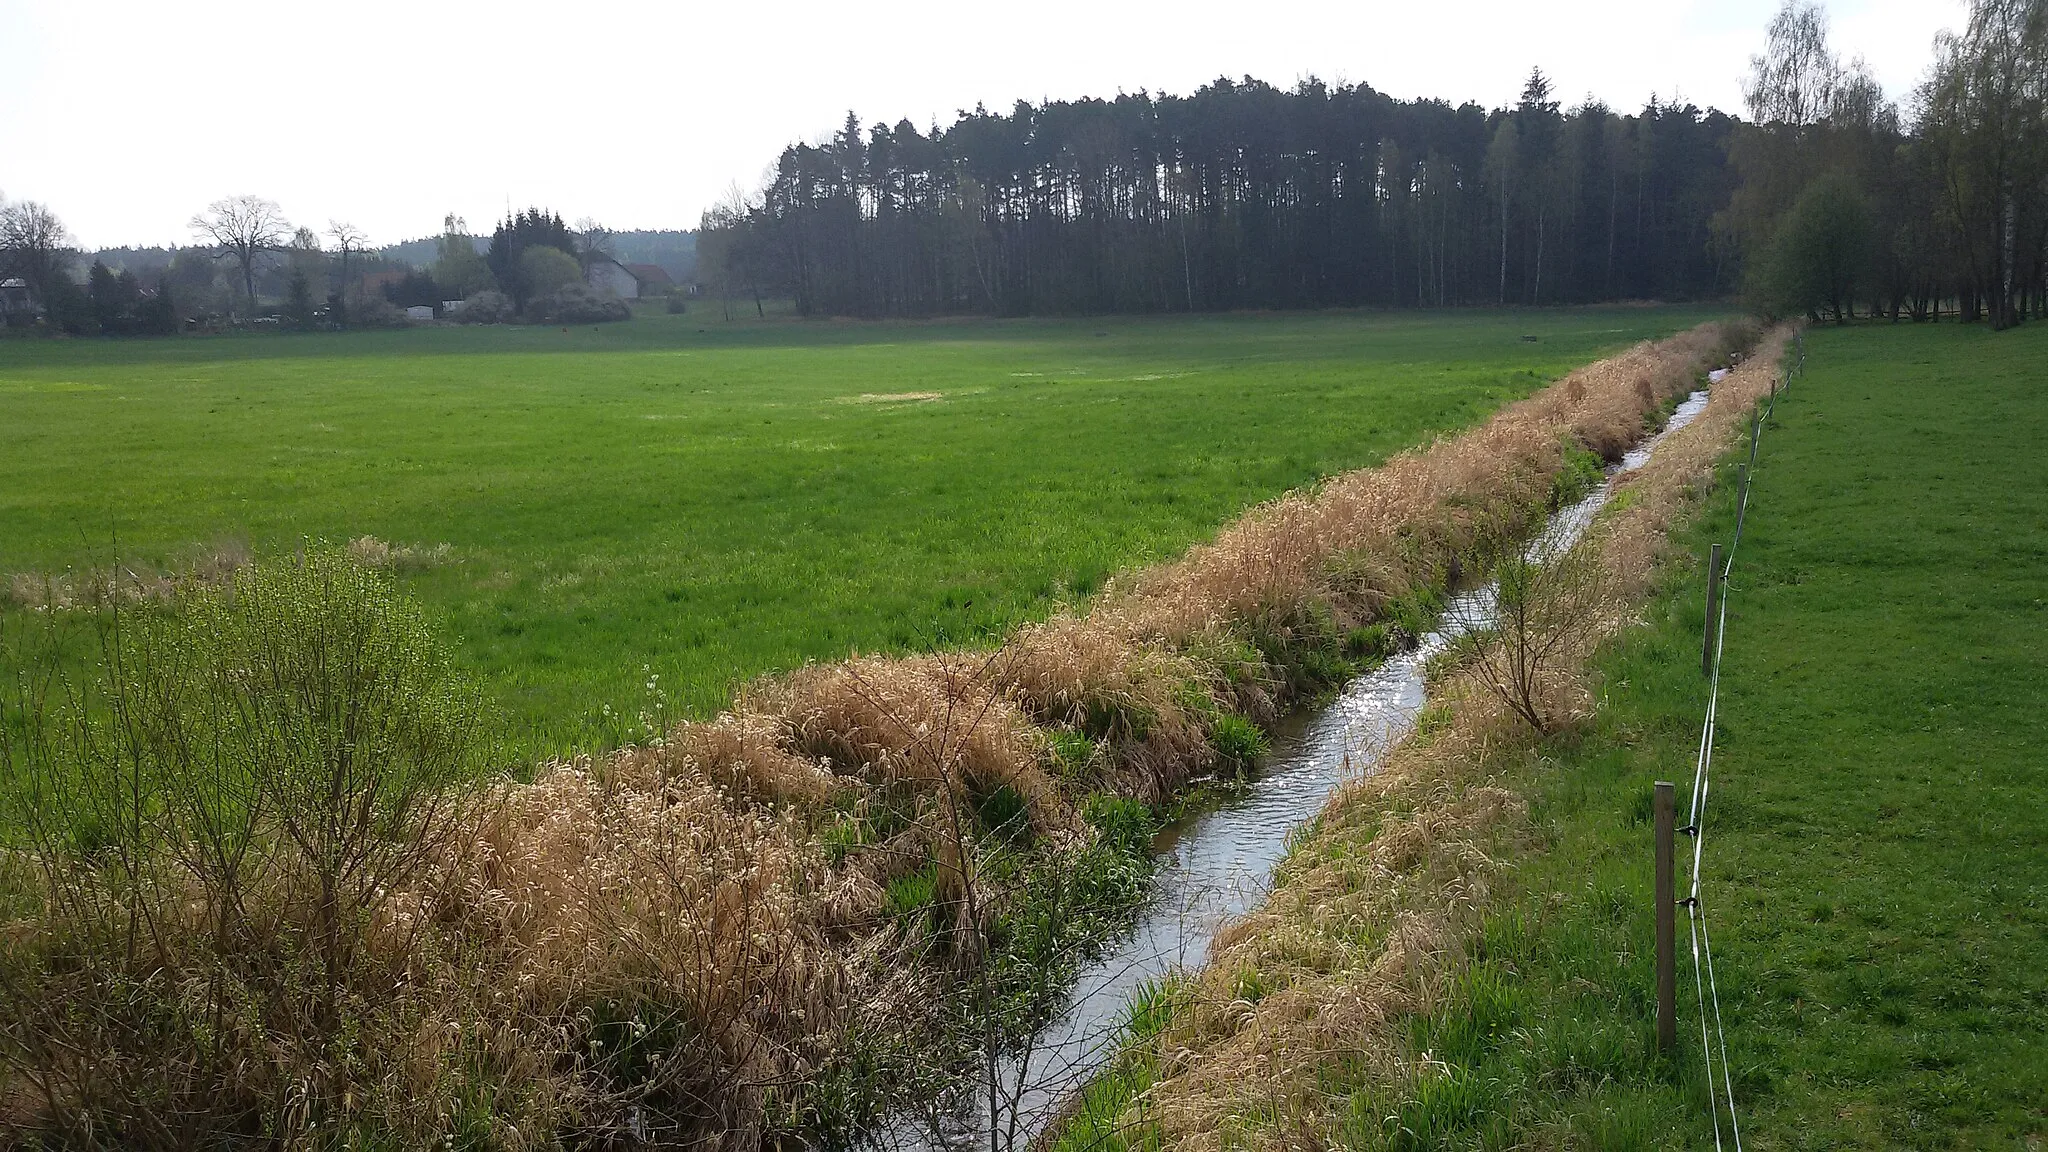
(1218, 865)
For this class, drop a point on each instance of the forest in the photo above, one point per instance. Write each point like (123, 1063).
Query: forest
(1828, 199)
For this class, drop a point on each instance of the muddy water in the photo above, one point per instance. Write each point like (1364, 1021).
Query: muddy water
(1218, 865)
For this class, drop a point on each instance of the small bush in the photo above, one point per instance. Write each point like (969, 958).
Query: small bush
(1582, 472)
(1523, 640)
(577, 303)
(486, 307)
(1238, 742)
(370, 311)
(1121, 823)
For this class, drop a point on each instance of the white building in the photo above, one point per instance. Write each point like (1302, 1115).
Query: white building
(611, 276)
(628, 281)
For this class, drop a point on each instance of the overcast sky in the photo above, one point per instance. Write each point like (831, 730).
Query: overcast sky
(128, 117)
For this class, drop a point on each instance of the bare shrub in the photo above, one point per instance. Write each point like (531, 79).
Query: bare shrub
(1523, 641)
(215, 823)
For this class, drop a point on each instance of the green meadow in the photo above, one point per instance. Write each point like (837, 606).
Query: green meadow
(685, 502)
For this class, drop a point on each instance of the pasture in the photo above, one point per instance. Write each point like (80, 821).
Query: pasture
(635, 519)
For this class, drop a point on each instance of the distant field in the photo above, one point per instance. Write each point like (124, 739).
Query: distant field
(699, 502)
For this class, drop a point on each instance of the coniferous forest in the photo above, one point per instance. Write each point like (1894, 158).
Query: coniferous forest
(1243, 195)
(1828, 199)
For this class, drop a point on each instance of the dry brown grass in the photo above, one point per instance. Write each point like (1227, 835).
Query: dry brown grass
(374, 553)
(1376, 910)
(209, 566)
(1656, 493)
(705, 922)
(892, 397)
(198, 567)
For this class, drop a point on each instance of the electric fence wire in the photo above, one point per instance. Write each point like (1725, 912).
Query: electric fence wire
(1714, 1045)
(1702, 940)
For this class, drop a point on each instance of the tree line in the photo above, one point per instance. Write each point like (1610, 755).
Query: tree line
(1846, 202)
(1826, 200)
(251, 264)
(1240, 195)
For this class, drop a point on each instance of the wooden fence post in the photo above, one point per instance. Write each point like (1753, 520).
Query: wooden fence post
(1713, 628)
(1667, 935)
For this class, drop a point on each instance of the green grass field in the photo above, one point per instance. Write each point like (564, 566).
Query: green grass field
(700, 502)
(1877, 861)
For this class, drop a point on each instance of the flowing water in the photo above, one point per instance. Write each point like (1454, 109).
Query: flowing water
(1218, 865)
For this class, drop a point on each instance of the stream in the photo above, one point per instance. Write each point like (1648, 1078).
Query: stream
(1218, 864)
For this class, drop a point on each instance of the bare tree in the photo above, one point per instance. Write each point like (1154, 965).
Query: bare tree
(244, 227)
(33, 244)
(347, 238)
(1794, 82)
(727, 250)
(593, 242)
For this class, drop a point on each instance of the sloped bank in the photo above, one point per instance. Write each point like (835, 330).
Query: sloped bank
(1343, 1012)
(827, 901)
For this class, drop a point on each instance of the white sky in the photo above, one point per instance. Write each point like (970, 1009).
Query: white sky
(128, 117)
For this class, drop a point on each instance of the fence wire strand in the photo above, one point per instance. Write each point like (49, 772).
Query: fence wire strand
(1713, 1032)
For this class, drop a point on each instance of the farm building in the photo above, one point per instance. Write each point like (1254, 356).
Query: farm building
(628, 281)
(653, 278)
